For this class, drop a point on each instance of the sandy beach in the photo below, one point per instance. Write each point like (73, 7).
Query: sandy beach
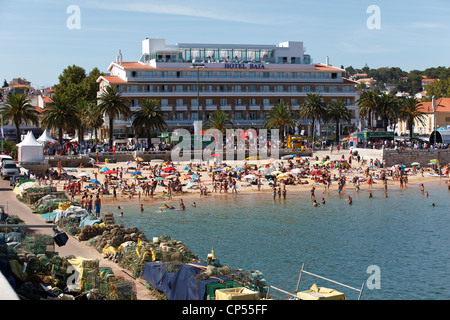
(130, 187)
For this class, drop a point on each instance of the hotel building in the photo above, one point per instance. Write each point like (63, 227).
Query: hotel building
(192, 80)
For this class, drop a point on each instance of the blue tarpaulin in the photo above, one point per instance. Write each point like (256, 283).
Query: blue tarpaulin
(180, 285)
(89, 221)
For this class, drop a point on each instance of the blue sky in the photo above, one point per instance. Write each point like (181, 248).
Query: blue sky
(36, 43)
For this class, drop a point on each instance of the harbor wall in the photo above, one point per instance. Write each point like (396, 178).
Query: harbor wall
(392, 157)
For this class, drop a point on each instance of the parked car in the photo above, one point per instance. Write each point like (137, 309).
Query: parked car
(9, 169)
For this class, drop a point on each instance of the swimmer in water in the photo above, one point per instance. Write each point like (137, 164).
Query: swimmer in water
(194, 205)
(315, 204)
(119, 207)
(370, 195)
(121, 214)
(142, 207)
(349, 200)
(323, 200)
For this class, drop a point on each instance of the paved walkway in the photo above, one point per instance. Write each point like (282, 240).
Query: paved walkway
(73, 246)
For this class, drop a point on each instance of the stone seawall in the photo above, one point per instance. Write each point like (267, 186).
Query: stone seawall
(406, 157)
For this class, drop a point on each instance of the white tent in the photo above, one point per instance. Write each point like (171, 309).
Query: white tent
(46, 138)
(30, 149)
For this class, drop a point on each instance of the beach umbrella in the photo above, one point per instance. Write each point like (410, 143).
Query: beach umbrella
(139, 159)
(434, 161)
(296, 170)
(136, 172)
(250, 176)
(276, 172)
(172, 176)
(83, 174)
(169, 169)
(109, 172)
(94, 181)
(269, 176)
(282, 176)
(184, 177)
(238, 169)
(316, 172)
(415, 164)
(252, 158)
(159, 178)
(195, 176)
(104, 169)
(327, 162)
(187, 168)
(298, 158)
(218, 169)
(140, 177)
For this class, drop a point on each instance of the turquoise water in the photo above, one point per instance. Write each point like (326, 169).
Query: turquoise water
(404, 235)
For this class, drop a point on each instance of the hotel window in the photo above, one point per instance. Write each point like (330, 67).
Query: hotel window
(253, 102)
(251, 75)
(180, 116)
(179, 102)
(307, 75)
(281, 100)
(164, 102)
(209, 102)
(208, 88)
(236, 74)
(294, 102)
(320, 89)
(280, 89)
(193, 88)
(266, 75)
(179, 88)
(134, 88)
(237, 88)
(194, 102)
(194, 116)
(134, 102)
(307, 88)
(237, 116)
(320, 75)
(334, 89)
(223, 102)
(223, 74)
(293, 88)
(164, 74)
(266, 88)
(251, 116)
(238, 102)
(334, 75)
(266, 102)
(251, 88)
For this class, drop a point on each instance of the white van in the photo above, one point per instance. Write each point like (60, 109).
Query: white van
(9, 168)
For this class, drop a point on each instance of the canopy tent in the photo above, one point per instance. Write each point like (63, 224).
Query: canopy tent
(46, 138)
(442, 136)
(30, 149)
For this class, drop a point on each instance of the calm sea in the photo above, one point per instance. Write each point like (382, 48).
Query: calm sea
(403, 236)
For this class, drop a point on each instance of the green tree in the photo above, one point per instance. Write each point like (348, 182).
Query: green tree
(367, 106)
(149, 117)
(439, 89)
(18, 109)
(337, 112)
(219, 120)
(386, 108)
(61, 114)
(112, 104)
(280, 117)
(411, 112)
(314, 109)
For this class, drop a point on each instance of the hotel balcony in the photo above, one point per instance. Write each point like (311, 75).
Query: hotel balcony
(211, 108)
(254, 108)
(266, 108)
(225, 108)
(240, 108)
(181, 108)
(166, 108)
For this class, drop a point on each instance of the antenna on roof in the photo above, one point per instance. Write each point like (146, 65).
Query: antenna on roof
(119, 57)
(328, 61)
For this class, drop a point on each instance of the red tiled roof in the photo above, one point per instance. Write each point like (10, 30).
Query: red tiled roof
(442, 105)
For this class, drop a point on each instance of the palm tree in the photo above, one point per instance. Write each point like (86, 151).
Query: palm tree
(112, 104)
(367, 105)
(93, 120)
(18, 109)
(61, 114)
(337, 112)
(387, 105)
(410, 111)
(314, 108)
(280, 117)
(148, 118)
(219, 120)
